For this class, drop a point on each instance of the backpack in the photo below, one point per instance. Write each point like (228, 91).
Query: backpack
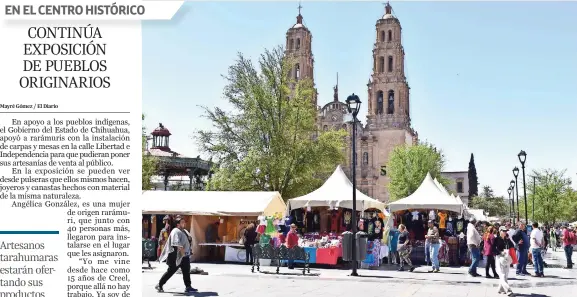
(571, 237)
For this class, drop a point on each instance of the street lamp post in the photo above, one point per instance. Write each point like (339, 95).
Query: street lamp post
(522, 158)
(509, 190)
(513, 201)
(516, 174)
(353, 106)
(533, 199)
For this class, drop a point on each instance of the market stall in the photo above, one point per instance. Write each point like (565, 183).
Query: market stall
(431, 201)
(222, 216)
(324, 214)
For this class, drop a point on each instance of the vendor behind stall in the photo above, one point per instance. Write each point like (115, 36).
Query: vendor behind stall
(211, 236)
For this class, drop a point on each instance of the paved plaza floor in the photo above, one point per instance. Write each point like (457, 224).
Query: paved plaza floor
(237, 280)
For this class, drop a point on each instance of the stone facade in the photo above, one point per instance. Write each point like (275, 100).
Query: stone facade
(388, 122)
(459, 184)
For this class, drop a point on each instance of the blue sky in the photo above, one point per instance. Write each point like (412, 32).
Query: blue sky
(489, 78)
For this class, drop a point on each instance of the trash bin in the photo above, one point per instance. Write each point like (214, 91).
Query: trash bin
(362, 238)
(148, 249)
(347, 246)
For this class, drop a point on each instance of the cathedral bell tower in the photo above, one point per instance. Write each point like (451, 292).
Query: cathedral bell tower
(388, 90)
(299, 47)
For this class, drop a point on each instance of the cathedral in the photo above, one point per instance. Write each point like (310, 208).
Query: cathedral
(388, 122)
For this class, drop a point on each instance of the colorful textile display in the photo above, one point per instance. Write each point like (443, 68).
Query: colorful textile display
(373, 253)
(444, 253)
(329, 256)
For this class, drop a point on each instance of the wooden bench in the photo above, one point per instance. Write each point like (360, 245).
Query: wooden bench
(281, 253)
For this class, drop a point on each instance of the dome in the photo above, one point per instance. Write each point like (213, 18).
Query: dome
(388, 16)
(161, 131)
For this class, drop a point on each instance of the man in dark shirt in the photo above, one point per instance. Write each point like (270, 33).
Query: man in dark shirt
(521, 240)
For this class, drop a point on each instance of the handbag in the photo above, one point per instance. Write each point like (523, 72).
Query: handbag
(513, 255)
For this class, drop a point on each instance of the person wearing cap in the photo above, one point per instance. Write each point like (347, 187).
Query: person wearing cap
(473, 242)
(432, 240)
(502, 246)
(292, 240)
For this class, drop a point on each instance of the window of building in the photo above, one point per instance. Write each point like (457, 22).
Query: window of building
(291, 44)
(390, 64)
(460, 186)
(325, 127)
(297, 71)
(365, 158)
(382, 38)
(390, 35)
(380, 97)
(391, 102)
(345, 126)
(381, 64)
(298, 43)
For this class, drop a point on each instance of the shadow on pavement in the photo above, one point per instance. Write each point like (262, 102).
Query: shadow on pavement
(195, 294)
(530, 295)
(290, 274)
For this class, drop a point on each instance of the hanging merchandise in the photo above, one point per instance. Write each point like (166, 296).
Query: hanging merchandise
(270, 228)
(450, 231)
(261, 225)
(347, 220)
(415, 215)
(432, 215)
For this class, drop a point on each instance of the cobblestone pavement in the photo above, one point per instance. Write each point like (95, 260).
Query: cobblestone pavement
(237, 280)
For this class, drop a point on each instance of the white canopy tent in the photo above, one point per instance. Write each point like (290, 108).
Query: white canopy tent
(429, 195)
(218, 203)
(336, 192)
(478, 214)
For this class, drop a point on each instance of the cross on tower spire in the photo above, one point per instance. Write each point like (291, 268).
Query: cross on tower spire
(336, 90)
(300, 17)
(388, 8)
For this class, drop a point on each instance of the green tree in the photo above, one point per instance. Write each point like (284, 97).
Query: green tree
(552, 195)
(269, 141)
(148, 163)
(487, 201)
(473, 180)
(408, 166)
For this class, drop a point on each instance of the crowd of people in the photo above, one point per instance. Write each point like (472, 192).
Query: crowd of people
(506, 246)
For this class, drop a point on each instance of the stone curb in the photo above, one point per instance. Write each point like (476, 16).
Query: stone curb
(388, 279)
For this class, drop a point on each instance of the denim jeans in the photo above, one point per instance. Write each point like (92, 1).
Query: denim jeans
(522, 256)
(435, 255)
(568, 253)
(291, 263)
(537, 261)
(427, 252)
(475, 258)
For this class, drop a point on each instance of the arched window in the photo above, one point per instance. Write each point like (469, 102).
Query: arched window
(325, 127)
(291, 44)
(380, 98)
(297, 71)
(381, 64)
(382, 38)
(298, 43)
(390, 35)
(365, 158)
(391, 102)
(390, 64)
(344, 126)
